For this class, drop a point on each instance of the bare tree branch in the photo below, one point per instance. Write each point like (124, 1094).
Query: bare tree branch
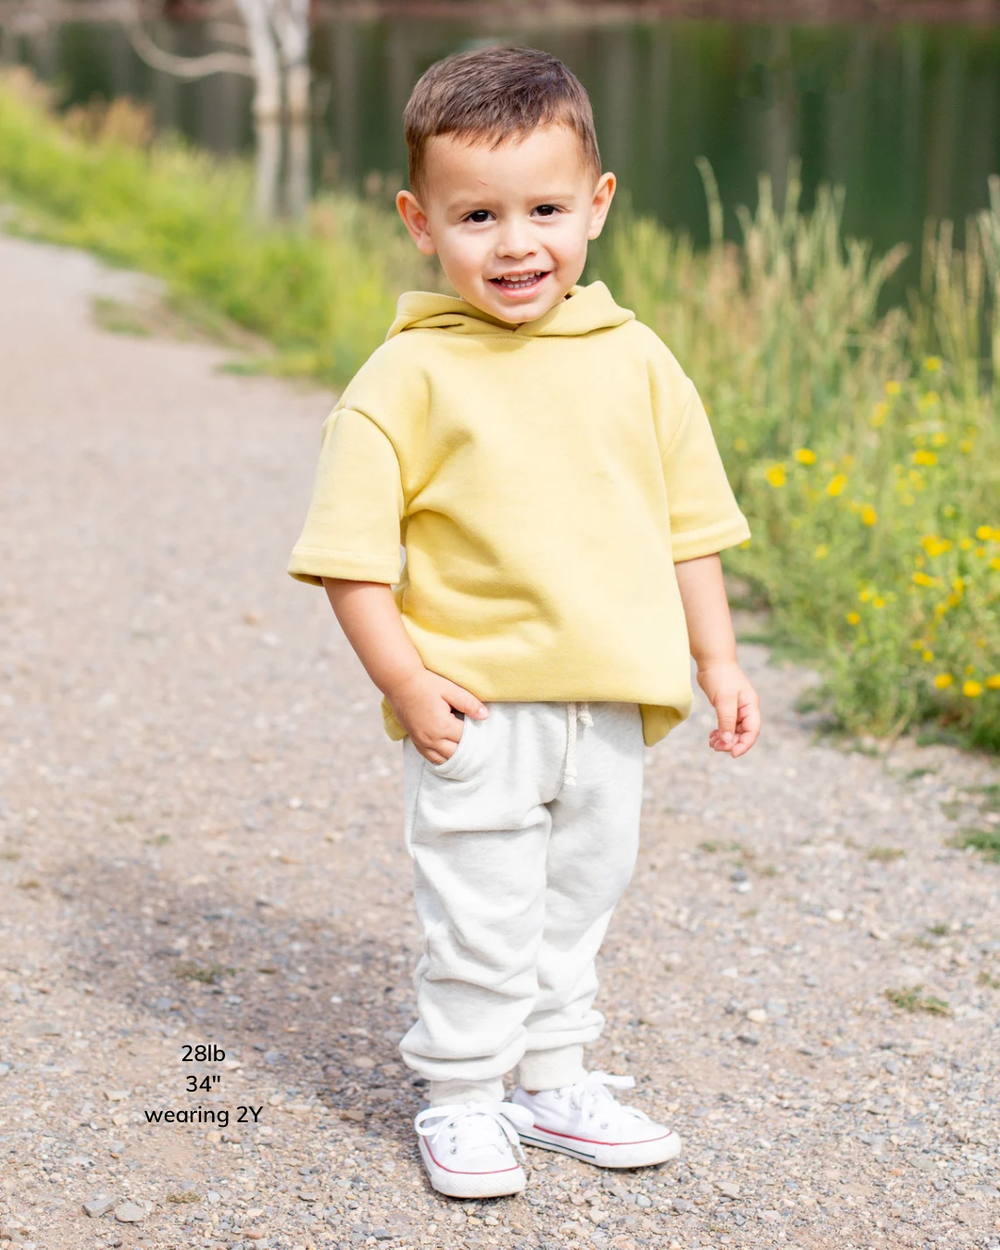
(184, 66)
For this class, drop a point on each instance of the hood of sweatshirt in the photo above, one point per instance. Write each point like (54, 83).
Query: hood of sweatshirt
(583, 310)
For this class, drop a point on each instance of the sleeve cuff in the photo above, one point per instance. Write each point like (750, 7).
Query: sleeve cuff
(311, 566)
(710, 539)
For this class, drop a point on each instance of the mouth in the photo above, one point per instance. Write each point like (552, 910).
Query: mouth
(520, 283)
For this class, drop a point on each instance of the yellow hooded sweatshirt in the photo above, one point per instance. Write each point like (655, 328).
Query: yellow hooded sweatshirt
(542, 479)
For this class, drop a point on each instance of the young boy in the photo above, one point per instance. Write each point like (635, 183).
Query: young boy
(552, 475)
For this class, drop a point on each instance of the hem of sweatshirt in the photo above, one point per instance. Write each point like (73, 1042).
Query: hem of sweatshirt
(311, 565)
(709, 540)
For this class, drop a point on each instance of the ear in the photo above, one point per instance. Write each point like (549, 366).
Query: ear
(603, 195)
(415, 220)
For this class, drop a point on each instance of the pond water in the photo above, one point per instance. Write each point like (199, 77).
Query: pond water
(905, 116)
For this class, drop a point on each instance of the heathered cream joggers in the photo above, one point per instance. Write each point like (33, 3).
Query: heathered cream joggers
(523, 842)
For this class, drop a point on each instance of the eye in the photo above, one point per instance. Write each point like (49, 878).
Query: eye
(478, 216)
(546, 210)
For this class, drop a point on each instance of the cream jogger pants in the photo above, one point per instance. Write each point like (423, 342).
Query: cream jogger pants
(523, 842)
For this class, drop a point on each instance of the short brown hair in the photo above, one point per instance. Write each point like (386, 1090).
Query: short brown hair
(494, 94)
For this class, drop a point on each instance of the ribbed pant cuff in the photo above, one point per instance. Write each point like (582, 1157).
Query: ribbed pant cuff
(551, 1069)
(443, 1093)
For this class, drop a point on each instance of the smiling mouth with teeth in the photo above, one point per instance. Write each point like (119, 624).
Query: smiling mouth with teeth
(519, 282)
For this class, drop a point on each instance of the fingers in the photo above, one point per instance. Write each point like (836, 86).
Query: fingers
(738, 728)
(726, 708)
(464, 701)
(749, 728)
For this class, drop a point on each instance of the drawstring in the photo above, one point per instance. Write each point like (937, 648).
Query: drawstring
(574, 711)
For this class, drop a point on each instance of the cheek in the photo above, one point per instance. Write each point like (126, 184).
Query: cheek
(463, 254)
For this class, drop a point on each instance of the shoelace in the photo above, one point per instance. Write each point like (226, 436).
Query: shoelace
(592, 1096)
(506, 1115)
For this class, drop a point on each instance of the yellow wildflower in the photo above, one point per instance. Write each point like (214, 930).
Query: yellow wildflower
(932, 364)
(924, 457)
(836, 484)
(935, 546)
(928, 400)
(969, 669)
(948, 509)
(853, 618)
(940, 609)
(954, 600)
(868, 514)
(821, 552)
(965, 544)
(984, 533)
(939, 439)
(776, 475)
(972, 689)
(958, 583)
(744, 544)
(892, 387)
(805, 455)
(879, 413)
(865, 595)
(965, 445)
(943, 680)
(921, 579)
(878, 602)
(995, 563)
(980, 552)
(927, 656)
(993, 682)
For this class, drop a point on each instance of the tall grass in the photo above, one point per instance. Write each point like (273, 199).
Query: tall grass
(323, 293)
(864, 447)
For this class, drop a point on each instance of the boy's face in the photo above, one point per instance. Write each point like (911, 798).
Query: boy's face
(510, 225)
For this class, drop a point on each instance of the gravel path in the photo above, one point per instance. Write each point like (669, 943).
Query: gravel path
(200, 845)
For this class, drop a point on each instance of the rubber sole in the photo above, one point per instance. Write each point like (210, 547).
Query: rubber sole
(471, 1184)
(601, 1154)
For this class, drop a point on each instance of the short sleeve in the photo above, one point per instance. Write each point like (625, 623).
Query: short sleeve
(352, 528)
(704, 515)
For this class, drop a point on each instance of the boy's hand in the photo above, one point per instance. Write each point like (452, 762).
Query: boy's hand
(422, 705)
(736, 705)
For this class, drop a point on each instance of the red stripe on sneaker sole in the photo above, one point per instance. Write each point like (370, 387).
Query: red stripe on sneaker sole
(459, 1172)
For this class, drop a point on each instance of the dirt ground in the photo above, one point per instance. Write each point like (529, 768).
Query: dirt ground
(200, 846)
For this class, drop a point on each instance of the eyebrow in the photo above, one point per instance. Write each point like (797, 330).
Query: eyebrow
(472, 202)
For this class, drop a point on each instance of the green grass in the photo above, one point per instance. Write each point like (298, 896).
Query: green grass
(910, 999)
(206, 974)
(987, 841)
(864, 447)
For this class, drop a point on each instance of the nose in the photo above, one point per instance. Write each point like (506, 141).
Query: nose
(514, 241)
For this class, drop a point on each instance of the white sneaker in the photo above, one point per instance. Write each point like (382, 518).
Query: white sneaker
(586, 1121)
(468, 1148)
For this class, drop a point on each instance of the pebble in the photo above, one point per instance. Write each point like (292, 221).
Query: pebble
(757, 1015)
(100, 1205)
(5, 1068)
(729, 1188)
(129, 1213)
